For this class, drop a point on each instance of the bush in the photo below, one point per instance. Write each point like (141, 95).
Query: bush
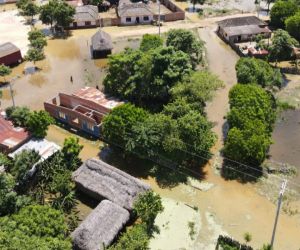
(150, 42)
(293, 25)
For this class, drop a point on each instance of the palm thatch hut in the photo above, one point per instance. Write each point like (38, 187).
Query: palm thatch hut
(101, 180)
(101, 227)
(101, 45)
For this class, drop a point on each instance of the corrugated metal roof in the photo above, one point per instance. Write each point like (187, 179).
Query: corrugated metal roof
(86, 13)
(44, 147)
(245, 30)
(133, 9)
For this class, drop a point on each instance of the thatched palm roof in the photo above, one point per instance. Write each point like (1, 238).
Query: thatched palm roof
(101, 227)
(101, 180)
(101, 41)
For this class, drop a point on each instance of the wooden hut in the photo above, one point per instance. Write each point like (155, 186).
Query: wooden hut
(101, 45)
(10, 54)
(101, 227)
(103, 181)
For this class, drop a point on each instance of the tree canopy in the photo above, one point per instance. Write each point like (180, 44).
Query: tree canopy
(4, 71)
(251, 70)
(150, 42)
(185, 41)
(282, 10)
(38, 123)
(293, 25)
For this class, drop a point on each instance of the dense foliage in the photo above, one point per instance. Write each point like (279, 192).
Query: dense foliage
(282, 10)
(34, 227)
(4, 71)
(145, 78)
(293, 25)
(185, 41)
(150, 42)
(251, 70)
(37, 122)
(251, 119)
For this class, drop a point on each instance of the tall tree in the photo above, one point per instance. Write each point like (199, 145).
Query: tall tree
(293, 25)
(38, 123)
(35, 55)
(282, 10)
(4, 71)
(29, 9)
(37, 39)
(282, 46)
(186, 41)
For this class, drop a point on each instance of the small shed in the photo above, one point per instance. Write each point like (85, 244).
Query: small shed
(10, 54)
(101, 45)
(103, 181)
(101, 227)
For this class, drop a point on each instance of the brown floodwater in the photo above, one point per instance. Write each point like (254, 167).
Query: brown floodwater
(64, 58)
(7, 6)
(286, 137)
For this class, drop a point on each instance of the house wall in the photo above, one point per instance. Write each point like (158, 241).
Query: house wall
(74, 119)
(13, 58)
(133, 20)
(177, 13)
(78, 25)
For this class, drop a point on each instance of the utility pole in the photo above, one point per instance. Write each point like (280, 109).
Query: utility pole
(158, 1)
(282, 189)
(11, 91)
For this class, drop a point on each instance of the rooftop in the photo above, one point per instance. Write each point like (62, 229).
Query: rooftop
(241, 21)
(128, 9)
(101, 180)
(43, 147)
(10, 136)
(7, 49)
(101, 227)
(98, 97)
(101, 41)
(86, 12)
(245, 30)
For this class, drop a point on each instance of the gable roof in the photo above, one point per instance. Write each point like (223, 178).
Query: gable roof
(246, 30)
(86, 13)
(101, 180)
(241, 21)
(101, 41)
(7, 49)
(128, 9)
(101, 226)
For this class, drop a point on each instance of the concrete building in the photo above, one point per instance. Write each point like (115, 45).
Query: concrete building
(134, 13)
(242, 29)
(83, 110)
(10, 54)
(85, 17)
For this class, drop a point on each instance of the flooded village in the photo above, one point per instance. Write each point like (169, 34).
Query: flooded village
(124, 134)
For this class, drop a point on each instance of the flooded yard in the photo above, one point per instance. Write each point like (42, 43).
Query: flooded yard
(64, 58)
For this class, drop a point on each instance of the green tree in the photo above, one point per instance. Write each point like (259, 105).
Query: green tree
(150, 42)
(34, 55)
(21, 3)
(29, 9)
(147, 206)
(251, 70)
(10, 202)
(4, 71)
(186, 41)
(293, 25)
(135, 238)
(197, 89)
(282, 46)
(57, 12)
(22, 163)
(282, 10)
(251, 102)
(248, 145)
(18, 115)
(71, 150)
(247, 237)
(117, 125)
(37, 39)
(38, 123)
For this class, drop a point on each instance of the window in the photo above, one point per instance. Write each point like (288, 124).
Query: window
(87, 23)
(146, 18)
(128, 19)
(90, 126)
(62, 115)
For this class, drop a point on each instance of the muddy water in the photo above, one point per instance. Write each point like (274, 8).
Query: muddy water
(221, 60)
(64, 58)
(7, 7)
